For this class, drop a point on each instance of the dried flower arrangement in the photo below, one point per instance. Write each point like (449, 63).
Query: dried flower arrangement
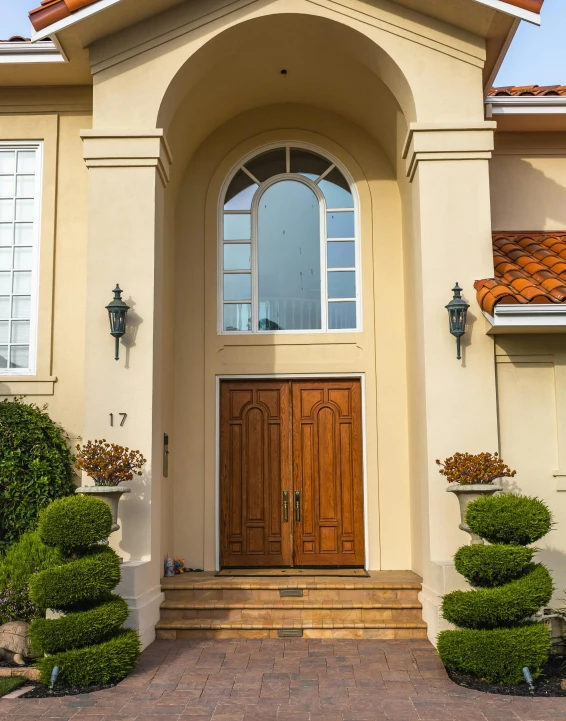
(108, 463)
(480, 468)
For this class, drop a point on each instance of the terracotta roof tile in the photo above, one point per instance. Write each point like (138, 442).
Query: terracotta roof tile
(529, 268)
(51, 11)
(533, 90)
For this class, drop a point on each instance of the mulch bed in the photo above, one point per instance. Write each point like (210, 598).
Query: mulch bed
(42, 691)
(547, 684)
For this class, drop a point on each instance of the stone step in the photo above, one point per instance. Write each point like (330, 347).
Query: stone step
(291, 609)
(210, 628)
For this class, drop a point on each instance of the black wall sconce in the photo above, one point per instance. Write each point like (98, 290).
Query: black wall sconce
(117, 311)
(457, 313)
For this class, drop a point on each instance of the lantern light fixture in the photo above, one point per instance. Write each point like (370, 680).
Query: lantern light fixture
(117, 311)
(457, 314)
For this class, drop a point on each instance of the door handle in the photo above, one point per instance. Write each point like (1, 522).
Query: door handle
(298, 506)
(286, 506)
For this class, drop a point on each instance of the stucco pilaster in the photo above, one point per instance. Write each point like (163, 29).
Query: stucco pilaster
(127, 177)
(452, 403)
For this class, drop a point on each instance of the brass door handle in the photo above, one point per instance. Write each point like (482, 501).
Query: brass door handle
(298, 506)
(286, 506)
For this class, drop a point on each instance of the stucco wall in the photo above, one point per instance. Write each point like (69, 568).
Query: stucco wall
(531, 379)
(528, 181)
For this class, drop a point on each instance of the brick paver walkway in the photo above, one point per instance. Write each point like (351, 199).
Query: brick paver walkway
(288, 680)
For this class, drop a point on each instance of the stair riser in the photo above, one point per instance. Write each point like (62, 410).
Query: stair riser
(385, 633)
(277, 614)
(319, 594)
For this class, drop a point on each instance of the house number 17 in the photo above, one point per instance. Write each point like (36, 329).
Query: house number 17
(124, 416)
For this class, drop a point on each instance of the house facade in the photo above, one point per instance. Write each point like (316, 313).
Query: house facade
(286, 191)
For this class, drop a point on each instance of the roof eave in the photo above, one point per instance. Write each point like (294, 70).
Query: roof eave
(525, 105)
(22, 52)
(514, 10)
(73, 19)
(527, 318)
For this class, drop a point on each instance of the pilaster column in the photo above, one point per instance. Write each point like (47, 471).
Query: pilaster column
(128, 173)
(453, 404)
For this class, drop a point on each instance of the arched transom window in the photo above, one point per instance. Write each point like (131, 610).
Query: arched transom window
(289, 249)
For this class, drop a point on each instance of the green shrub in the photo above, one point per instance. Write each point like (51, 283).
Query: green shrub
(107, 662)
(75, 523)
(502, 606)
(21, 560)
(87, 643)
(36, 467)
(78, 582)
(76, 630)
(507, 518)
(498, 655)
(492, 565)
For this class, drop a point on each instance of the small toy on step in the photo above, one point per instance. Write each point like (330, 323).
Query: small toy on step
(169, 568)
(179, 565)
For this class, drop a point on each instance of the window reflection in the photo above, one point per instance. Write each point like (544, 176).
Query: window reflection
(336, 190)
(240, 192)
(289, 258)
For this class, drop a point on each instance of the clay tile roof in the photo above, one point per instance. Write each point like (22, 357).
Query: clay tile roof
(529, 268)
(51, 11)
(533, 90)
(16, 39)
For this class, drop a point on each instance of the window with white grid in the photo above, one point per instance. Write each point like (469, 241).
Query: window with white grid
(289, 245)
(20, 166)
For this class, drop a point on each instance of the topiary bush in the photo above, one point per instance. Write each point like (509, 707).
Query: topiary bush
(87, 642)
(495, 639)
(36, 467)
(24, 558)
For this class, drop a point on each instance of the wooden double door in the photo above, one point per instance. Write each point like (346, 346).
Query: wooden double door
(291, 473)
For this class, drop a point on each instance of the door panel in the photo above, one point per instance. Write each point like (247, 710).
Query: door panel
(254, 468)
(327, 461)
(295, 436)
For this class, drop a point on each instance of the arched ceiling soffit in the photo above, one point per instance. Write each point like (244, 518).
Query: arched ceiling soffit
(344, 42)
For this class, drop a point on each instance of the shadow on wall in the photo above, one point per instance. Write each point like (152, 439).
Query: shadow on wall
(133, 322)
(544, 193)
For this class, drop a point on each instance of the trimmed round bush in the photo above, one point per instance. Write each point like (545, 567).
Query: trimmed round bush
(498, 655)
(501, 606)
(87, 642)
(496, 638)
(86, 580)
(107, 662)
(507, 518)
(492, 565)
(76, 630)
(36, 467)
(75, 523)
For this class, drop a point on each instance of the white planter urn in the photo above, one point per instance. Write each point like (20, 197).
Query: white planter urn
(109, 494)
(466, 493)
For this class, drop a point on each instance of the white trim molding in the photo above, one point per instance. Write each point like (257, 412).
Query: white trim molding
(528, 318)
(504, 7)
(24, 52)
(525, 105)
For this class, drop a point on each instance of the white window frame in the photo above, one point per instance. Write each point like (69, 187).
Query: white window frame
(324, 240)
(34, 290)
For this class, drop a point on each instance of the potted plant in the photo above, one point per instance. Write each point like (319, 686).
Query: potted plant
(108, 464)
(472, 476)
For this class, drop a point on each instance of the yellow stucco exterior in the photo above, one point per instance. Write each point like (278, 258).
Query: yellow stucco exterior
(134, 166)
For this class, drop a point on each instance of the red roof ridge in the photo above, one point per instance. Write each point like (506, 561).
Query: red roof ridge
(514, 91)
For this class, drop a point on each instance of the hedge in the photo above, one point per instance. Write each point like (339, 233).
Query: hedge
(76, 630)
(75, 523)
(495, 565)
(78, 582)
(498, 655)
(105, 663)
(36, 467)
(507, 518)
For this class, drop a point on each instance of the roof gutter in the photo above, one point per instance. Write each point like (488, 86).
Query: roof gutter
(15, 52)
(528, 318)
(518, 8)
(524, 104)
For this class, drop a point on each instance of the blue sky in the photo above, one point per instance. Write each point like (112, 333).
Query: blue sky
(536, 56)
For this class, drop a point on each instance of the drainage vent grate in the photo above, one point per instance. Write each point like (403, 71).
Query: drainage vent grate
(290, 633)
(290, 592)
